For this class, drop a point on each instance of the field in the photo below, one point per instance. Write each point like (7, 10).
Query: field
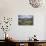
(25, 21)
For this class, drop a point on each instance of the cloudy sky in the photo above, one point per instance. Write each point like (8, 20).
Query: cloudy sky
(25, 16)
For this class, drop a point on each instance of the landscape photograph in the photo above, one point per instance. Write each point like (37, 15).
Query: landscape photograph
(25, 19)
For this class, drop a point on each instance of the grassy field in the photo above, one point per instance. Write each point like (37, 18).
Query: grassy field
(25, 21)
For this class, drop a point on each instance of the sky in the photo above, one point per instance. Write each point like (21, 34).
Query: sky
(25, 16)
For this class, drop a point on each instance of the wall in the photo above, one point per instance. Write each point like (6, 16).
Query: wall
(13, 8)
(45, 28)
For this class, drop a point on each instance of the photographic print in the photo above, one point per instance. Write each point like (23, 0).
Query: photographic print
(25, 19)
